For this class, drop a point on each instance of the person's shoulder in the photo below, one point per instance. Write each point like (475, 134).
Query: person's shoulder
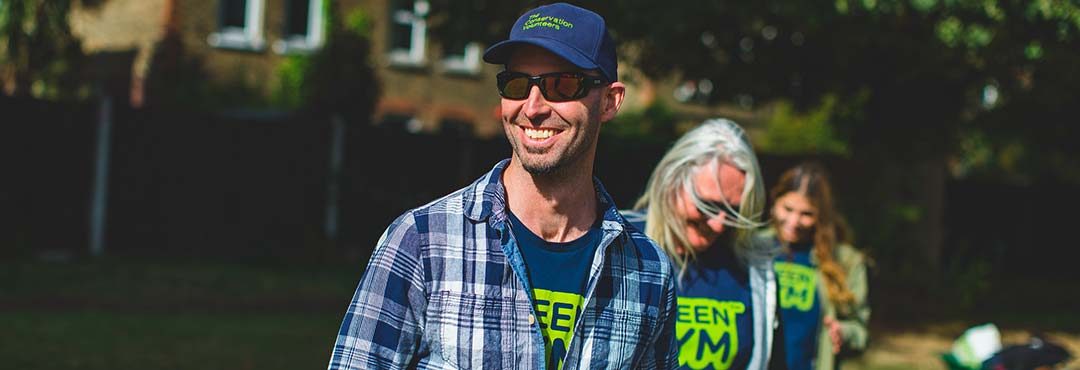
(413, 230)
(450, 203)
(635, 218)
(471, 201)
(761, 243)
(848, 255)
(645, 247)
(633, 226)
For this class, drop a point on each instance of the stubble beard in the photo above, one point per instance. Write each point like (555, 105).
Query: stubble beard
(573, 154)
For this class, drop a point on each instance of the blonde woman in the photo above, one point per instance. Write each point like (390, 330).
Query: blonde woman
(700, 205)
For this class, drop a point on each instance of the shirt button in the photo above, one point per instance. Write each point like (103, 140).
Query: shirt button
(532, 319)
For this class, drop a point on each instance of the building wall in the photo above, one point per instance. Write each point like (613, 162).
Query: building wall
(118, 27)
(198, 19)
(426, 92)
(429, 92)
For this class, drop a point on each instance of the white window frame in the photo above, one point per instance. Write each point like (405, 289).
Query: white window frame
(417, 19)
(295, 44)
(249, 37)
(467, 62)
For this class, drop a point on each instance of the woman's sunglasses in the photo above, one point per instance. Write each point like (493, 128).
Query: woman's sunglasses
(556, 86)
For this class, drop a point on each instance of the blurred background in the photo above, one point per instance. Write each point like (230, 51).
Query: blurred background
(199, 183)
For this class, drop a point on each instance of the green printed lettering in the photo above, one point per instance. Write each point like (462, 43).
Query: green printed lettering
(710, 336)
(722, 346)
(683, 314)
(723, 316)
(558, 314)
(685, 337)
(536, 20)
(798, 285)
(557, 322)
(541, 304)
(701, 313)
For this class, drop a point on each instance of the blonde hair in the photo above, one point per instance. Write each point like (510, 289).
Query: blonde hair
(715, 141)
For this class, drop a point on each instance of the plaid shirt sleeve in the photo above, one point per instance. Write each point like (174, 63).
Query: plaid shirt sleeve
(384, 321)
(664, 352)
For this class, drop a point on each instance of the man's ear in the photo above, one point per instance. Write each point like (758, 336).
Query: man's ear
(612, 101)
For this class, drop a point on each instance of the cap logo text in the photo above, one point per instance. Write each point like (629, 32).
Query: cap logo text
(536, 20)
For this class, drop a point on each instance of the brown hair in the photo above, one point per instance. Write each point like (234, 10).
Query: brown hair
(810, 180)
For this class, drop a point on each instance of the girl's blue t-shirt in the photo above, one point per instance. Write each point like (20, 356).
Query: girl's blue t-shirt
(558, 274)
(800, 306)
(714, 323)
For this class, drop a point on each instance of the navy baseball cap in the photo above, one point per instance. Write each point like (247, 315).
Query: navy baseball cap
(578, 35)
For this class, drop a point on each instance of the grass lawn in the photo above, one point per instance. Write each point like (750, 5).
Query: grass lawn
(110, 340)
(139, 314)
(194, 314)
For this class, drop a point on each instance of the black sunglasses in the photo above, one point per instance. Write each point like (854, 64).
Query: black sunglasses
(730, 214)
(556, 86)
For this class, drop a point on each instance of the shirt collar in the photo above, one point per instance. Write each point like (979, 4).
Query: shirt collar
(487, 199)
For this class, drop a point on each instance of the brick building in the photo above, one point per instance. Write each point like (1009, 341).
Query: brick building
(425, 86)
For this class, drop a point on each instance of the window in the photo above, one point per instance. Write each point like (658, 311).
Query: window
(462, 58)
(461, 54)
(239, 25)
(303, 27)
(407, 32)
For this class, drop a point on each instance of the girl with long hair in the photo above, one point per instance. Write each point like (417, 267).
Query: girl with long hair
(822, 278)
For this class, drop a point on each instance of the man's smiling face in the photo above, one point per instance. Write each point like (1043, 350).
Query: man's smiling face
(545, 135)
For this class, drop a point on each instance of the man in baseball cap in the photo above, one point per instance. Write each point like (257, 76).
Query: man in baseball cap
(572, 33)
(531, 266)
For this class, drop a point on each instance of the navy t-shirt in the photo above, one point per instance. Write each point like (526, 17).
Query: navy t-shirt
(714, 324)
(800, 307)
(558, 274)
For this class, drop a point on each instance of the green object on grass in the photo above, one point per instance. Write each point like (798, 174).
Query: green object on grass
(954, 364)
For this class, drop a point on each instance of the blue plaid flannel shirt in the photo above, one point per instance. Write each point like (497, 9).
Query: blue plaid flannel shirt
(446, 289)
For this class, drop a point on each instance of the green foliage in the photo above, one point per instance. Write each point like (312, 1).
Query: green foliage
(923, 5)
(1033, 50)
(955, 33)
(296, 71)
(359, 23)
(908, 213)
(901, 71)
(291, 73)
(454, 21)
(974, 153)
(656, 122)
(179, 82)
(38, 54)
(790, 132)
(337, 78)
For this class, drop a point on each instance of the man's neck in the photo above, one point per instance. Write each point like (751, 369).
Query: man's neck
(558, 207)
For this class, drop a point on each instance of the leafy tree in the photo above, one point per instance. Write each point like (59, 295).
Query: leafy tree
(904, 87)
(903, 72)
(899, 72)
(338, 78)
(38, 54)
